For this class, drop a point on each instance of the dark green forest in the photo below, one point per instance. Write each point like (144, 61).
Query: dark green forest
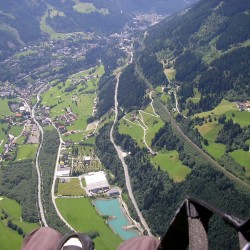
(159, 197)
(47, 161)
(19, 182)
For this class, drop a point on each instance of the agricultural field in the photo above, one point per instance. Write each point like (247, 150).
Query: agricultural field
(243, 158)
(71, 187)
(8, 237)
(77, 95)
(26, 151)
(86, 219)
(228, 108)
(169, 161)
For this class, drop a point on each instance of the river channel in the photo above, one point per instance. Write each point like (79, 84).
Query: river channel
(112, 208)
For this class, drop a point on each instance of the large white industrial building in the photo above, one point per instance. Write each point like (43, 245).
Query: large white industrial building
(96, 182)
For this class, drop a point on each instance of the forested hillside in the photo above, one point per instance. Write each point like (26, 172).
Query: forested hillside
(208, 47)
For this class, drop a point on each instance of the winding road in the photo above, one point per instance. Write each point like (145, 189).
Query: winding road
(143, 125)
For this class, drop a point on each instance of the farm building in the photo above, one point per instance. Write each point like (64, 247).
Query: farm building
(96, 182)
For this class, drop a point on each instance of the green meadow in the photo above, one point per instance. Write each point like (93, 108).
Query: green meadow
(83, 217)
(16, 130)
(4, 107)
(71, 188)
(228, 108)
(169, 162)
(153, 124)
(87, 8)
(47, 29)
(135, 131)
(243, 158)
(197, 96)
(210, 132)
(10, 239)
(26, 151)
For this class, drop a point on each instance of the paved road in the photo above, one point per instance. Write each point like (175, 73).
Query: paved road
(125, 167)
(39, 179)
(54, 183)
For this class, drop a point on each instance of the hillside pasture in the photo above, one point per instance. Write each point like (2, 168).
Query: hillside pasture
(228, 108)
(8, 237)
(87, 8)
(243, 158)
(135, 131)
(169, 162)
(153, 124)
(210, 132)
(83, 217)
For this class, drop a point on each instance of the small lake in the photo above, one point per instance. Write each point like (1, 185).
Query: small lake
(112, 207)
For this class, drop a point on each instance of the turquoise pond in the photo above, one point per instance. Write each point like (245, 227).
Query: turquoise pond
(112, 208)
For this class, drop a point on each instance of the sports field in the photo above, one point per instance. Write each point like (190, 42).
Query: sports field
(169, 162)
(82, 216)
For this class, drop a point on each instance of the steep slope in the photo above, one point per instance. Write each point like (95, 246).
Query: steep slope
(208, 47)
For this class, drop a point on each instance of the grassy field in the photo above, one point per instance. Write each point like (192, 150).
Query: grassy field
(87, 8)
(4, 107)
(165, 98)
(197, 96)
(169, 162)
(228, 108)
(170, 73)
(47, 29)
(85, 219)
(215, 149)
(26, 151)
(135, 131)
(243, 158)
(71, 188)
(153, 124)
(10, 239)
(16, 130)
(210, 132)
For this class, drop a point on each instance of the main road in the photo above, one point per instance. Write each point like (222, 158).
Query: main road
(39, 178)
(125, 167)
